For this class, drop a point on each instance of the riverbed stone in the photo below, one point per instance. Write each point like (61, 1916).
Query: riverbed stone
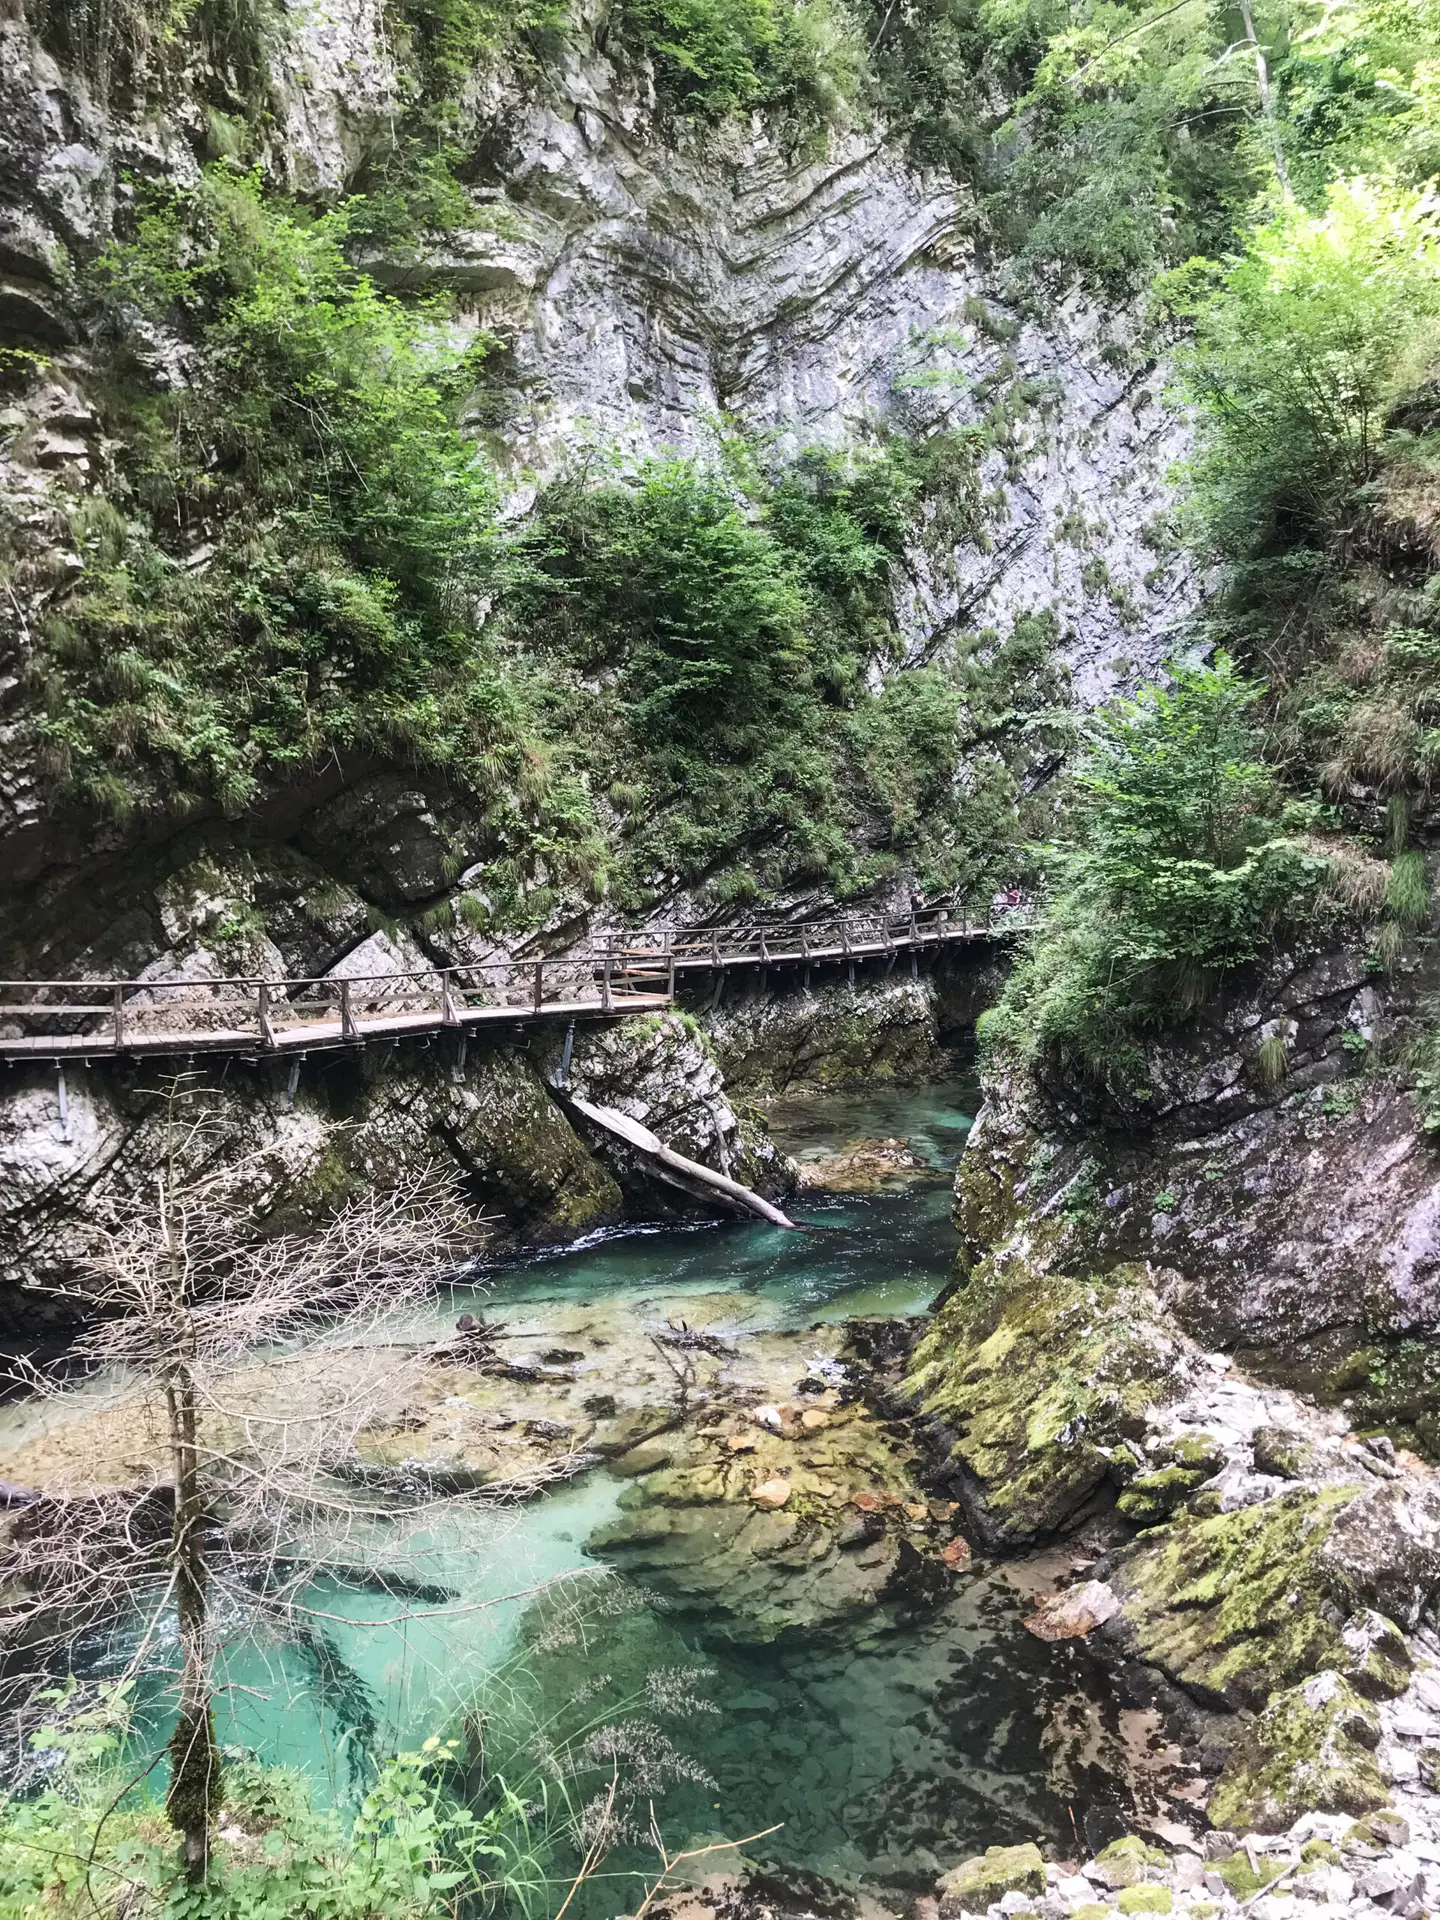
(799, 1530)
(980, 1882)
(1234, 1605)
(1127, 1862)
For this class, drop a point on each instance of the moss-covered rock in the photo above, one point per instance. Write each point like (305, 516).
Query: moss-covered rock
(1037, 1380)
(975, 1884)
(1151, 1497)
(841, 1523)
(1243, 1880)
(1288, 1455)
(1376, 1658)
(1145, 1900)
(1128, 1861)
(1312, 1749)
(1237, 1604)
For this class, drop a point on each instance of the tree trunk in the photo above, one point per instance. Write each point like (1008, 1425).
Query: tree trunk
(1267, 104)
(194, 1795)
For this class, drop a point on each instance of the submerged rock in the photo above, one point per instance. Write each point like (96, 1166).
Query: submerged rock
(798, 1527)
(1074, 1613)
(860, 1166)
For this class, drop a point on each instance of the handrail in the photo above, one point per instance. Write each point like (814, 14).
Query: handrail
(280, 1014)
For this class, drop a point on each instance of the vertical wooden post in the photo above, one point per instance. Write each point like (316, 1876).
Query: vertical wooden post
(449, 1017)
(670, 982)
(605, 998)
(267, 1032)
(805, 949)
(715, 949)
(348, 1028)
(119, 1002)
(539, 983)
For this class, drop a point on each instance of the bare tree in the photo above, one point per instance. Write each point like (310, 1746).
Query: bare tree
(259, 1358)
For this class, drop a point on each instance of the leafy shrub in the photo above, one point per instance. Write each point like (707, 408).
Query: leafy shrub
(713, 58)
(295, 560)
(1174, 870)
(1300, 348)
(710, 634)
(91, 1843)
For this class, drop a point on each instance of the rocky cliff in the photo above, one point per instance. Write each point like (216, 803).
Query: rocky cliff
(635, 278)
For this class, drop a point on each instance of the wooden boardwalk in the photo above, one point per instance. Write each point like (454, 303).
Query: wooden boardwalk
(58, 1020)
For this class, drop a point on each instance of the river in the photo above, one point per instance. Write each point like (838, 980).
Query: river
(886, 1745)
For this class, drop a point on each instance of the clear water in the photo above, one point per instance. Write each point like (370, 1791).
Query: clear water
(887, 1748)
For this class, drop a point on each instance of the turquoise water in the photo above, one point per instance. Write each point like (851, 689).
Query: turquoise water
(886, 1748)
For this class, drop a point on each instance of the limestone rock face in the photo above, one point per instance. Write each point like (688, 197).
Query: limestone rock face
(884, 1030)
(1034, 1383)
(1303, 1212)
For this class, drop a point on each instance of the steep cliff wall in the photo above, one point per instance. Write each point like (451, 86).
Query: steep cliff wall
(643, 279)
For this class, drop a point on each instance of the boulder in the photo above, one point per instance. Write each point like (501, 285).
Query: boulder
(1127, 1862)
(1311, 1750)
(1075, 1612)
(980, 1882)
(1034, 1380)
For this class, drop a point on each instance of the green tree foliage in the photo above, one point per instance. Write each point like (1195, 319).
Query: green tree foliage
(1300, 347)
(715, 638)
(793, 59)
(294, 561)
(1174, 869)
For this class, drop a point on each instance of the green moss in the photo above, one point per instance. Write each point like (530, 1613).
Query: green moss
(1041, 1377)
(1312, 1749)
(1319, 1853)
(1129, 1860)
(1287, 1455)
(1242, 1881)
(1236, 1604)
(1154, 1496)
(1202, 1451)
(1145, 1900)
(976, 1883)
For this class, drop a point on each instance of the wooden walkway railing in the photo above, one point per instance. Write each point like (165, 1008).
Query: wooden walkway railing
(68, 1019)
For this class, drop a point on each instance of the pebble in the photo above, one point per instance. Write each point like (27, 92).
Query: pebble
(1400, 1764)
(771, 1494)
(1073, 1887)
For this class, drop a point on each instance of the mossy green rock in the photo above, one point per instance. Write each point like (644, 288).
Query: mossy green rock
(1129, 1860)
(975, 1884)
(1152, 1497)
(1039, 1378)
(1200, 1451)
(1242, 1881)
(1376, 1659)
(1312, 1749)
(1288, 1455)
(1145, 1900)
(1236, 1604)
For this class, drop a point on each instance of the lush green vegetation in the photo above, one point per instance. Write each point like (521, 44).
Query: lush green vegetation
(1175, 867)
(294, 558)
(712, 636)
(93, 1842)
